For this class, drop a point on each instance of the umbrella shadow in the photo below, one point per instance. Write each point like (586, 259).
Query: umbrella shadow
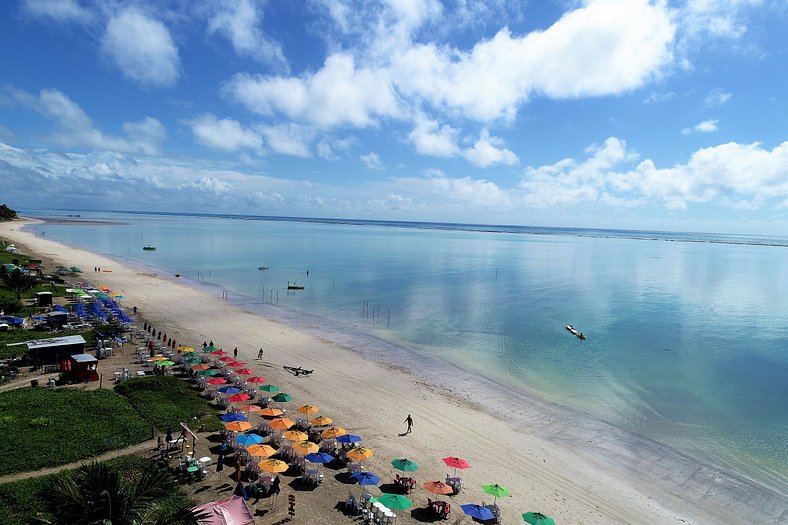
(344, 478)
(424, 515)
(301, 486)
(391, 488)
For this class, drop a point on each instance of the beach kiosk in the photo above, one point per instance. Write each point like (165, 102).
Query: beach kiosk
(79, 368)
(44, 298)
(54, 350)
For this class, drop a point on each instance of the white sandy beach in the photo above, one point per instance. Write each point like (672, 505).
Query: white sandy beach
(556, 461)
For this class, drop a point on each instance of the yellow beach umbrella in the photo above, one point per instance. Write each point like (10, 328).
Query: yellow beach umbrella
(187, 349)
(273, 465)
(296, 435)
(360, 453)
(261, 450)
(271, 412)
(281, 423)
(305, 447)
(308, 409)
(334, 432)
(160, 358)
(321, 421)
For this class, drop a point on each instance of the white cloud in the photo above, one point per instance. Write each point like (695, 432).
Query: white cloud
(430, 138)
(706, 126)
(288, 139)
(76, 129)
(339, 94)
(59, 10)
(488, 151)
(142, 48)
(240, 21)
(717, 97)
(715, 19)
(659, 97)
(223, 134)
(372, 161)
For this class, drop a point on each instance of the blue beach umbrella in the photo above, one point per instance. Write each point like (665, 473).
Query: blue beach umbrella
(349, 438)
(230, 417)
(319, 457)
(249, 439)
(365, 478)
(229, 390)
(477, 511)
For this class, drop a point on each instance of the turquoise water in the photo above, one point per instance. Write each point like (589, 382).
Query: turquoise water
(687, 334)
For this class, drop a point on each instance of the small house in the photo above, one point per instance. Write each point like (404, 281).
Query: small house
(57, 319)
(79, 368)
(54, 350)
(44, 298)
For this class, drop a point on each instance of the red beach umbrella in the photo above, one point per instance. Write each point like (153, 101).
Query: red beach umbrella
(216, 381)
(245, 372)
(236, 364)
(226, 359)
(255, 379)
(456, 463)
(238, 398)
(218, 352)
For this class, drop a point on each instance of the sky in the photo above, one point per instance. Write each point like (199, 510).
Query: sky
(631, 114)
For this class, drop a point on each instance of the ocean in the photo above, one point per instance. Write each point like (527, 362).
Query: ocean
(686, 334)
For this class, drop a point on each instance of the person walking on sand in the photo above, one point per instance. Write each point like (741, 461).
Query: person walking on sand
(409, 421)
(235, 352)
(260, 354)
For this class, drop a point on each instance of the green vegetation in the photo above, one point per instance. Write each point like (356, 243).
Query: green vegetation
(45, 427)
(166, 401)
(6, 213)
(24, 501)
(16, 281)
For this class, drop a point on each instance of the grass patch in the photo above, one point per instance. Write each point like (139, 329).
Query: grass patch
(166, 401)
(21, 501)
(45, 427)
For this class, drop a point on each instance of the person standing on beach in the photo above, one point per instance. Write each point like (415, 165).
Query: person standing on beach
(260, 354)
(235, 352)
(409, 421)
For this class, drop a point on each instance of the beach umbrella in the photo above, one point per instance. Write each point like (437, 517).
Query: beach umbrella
(496, 490)
(218, 352)
(186, 349)
(365, 478)
(255, 380)
(438, 487)
(201, 367)
(273, 465)
(308, 409)
(238, 426)
(271, 412)
(75, 269)
(296, 435)
(232, 416)
(321, 421)
(393, 501)
(261, 450)
(405, 465)
(166, 363)
(216, 381)
(249, 439)
(245, 372)
(226, 359)
(479, 512)
(192, 360)
(455, 462)
(249, 408)
(333, 432)
(281, 423)
(237, 398)
(269, 388)
(159, 358)
(236, 364)
(282, 397)
(229, 390)
(360, 453)
(349, 438)
(305, 447)
(211, 372)
(210, 348)
(537, 518)
(319, 457)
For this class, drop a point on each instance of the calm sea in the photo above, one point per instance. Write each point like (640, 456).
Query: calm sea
(687, 336)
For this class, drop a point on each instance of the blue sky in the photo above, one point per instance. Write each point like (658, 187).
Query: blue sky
(601, 113)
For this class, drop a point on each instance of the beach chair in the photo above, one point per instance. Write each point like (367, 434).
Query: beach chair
(352, 506)
(455, 482)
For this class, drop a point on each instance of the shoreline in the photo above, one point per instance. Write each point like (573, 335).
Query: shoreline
(560, 462)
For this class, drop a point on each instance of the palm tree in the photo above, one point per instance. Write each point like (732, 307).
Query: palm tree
(18, 282)
(96, 495)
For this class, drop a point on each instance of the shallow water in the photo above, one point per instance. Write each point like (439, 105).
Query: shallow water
(687, 333)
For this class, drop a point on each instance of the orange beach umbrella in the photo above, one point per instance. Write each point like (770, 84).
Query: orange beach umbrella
(305, 447)
(308, 409)
(261, 450)
(281, 423)
(296, 435)
(271, 412)
(360, 453)
(273, 465)
(238, 426)
(334, 432)
(321, 421)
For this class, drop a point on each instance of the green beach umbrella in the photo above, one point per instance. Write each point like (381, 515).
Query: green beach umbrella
(75, 269)
(269, 388)
(165, 363)
(193, 360)
(537, 518)
(496, 490)
(282, 397)
(405, 465)
(210, 372)
(393, 501)
(209, 348)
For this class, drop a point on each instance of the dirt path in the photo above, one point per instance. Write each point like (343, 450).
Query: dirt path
(134, 449)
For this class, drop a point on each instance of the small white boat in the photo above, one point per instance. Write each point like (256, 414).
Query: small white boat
(575, 333)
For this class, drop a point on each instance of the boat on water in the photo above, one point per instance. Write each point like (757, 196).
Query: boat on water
(294, 286)
(149, 248)
(263, 267)
(575, 333)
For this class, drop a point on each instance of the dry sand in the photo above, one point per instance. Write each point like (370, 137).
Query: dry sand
(556, 461)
